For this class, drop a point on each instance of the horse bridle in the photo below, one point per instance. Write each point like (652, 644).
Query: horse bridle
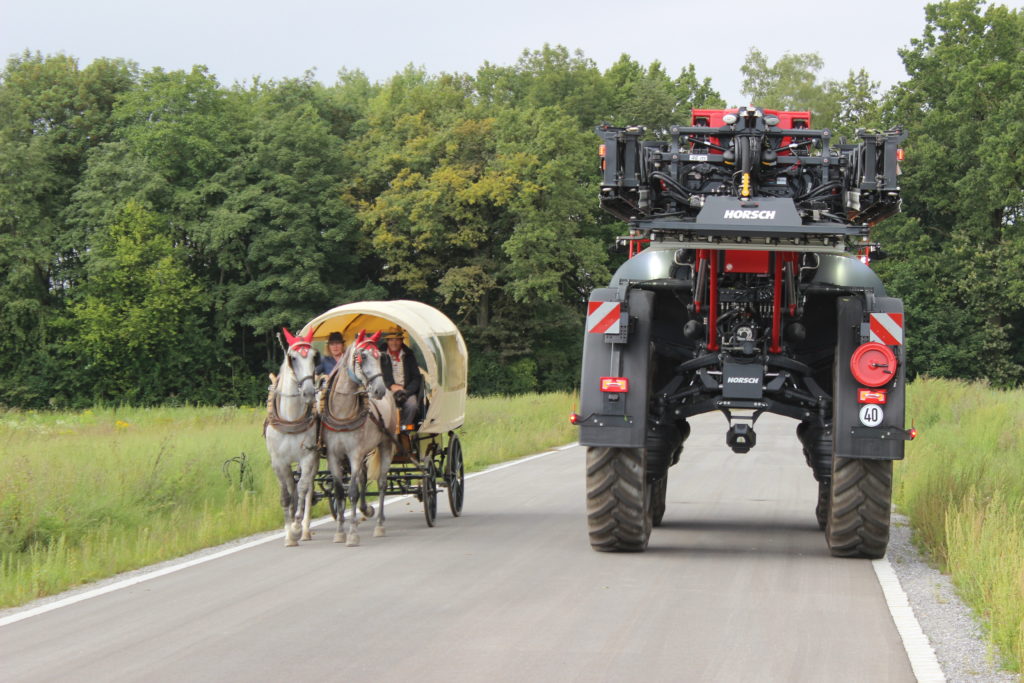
(357, 361)
(298, 380)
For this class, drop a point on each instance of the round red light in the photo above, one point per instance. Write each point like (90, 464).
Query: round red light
(873, 364)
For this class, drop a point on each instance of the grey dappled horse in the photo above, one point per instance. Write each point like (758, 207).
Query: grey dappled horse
(359, 416)
(290, 431)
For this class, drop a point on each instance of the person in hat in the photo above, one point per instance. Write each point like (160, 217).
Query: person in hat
(402, 375)
(335, 350)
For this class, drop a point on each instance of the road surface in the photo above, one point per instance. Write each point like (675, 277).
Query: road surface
(737, 585)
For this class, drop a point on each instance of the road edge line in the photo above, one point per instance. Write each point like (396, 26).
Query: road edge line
(164, 571)
(923, 661)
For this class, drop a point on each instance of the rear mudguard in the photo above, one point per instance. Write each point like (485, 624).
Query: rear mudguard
(617, 419)
(852, 438)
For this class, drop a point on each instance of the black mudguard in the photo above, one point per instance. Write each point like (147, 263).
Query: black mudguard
(852, 438)
(608, 419)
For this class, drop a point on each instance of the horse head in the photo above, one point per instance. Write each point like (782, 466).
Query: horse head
(302, 360)
(365, 364)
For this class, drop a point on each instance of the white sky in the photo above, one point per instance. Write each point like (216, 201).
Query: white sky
(283, 38)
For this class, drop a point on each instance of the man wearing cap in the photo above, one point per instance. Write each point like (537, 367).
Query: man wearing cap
(335, 350)
(402, 375)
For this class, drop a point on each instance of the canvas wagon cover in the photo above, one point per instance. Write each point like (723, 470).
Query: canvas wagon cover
(434, 339)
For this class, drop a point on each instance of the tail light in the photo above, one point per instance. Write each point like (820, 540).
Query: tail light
(615, 385)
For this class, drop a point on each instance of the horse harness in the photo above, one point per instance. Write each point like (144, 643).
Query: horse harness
(353, 422)
(282, 425)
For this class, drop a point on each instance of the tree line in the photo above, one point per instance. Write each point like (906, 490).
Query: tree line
(157, 227)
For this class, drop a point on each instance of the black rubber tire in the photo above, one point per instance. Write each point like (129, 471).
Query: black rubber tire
(455, 475)
(428, 491)
(858, 515)
(860, 495)
(821, 509)
(658, 492)
(618, 499)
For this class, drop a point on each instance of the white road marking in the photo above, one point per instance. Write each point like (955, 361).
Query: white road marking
(922, 657)
(164, 571)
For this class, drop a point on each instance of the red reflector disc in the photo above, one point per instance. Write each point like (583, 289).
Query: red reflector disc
(615, 385)
(873, 364)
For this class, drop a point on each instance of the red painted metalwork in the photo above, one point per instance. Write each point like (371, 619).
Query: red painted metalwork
(713, 301)
(697, 300)
(746, 261)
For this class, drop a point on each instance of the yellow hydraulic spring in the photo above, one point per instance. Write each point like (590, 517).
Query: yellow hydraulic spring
(745, 186)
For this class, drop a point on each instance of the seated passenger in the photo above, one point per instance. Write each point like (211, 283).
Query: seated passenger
(335, 350)
(402, 376)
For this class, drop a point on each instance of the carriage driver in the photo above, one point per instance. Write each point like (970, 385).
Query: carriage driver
(335, 350)
(402, 375)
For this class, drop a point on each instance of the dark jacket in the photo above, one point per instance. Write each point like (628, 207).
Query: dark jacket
(326, 364)
(413, 378)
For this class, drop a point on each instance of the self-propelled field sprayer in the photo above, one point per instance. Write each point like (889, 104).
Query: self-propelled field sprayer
(747, 291)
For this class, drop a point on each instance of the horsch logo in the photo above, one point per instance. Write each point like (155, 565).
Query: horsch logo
(748, 214)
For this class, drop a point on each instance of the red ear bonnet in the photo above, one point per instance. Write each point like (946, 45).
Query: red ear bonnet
(301, 344)
(288, 337)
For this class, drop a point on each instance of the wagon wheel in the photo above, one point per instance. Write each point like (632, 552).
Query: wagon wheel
(455, 475)
(327, 487)
(428, 490)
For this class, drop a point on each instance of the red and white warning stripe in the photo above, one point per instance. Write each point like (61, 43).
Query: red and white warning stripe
(603, 317)
(887, 328)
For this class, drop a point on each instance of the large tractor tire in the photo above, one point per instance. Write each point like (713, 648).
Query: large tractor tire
(618, 499)
(860, 494)
(659, 491)
(858, 514)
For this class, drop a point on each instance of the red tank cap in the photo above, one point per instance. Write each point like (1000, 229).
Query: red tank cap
(873, 364)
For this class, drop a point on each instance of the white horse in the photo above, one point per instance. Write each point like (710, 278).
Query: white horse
(359, 416)
(290, 431)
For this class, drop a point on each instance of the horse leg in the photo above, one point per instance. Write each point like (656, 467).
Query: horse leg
(365, 507)
(339, 497)
(386, 454)
(284, 476)
(356, 497)
(305, 489)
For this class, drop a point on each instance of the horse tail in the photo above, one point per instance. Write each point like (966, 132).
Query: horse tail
(373, 465)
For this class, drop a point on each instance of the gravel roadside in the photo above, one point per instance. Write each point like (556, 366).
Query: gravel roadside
(958, 640)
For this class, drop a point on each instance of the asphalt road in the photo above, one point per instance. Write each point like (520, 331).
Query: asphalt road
(737, 585)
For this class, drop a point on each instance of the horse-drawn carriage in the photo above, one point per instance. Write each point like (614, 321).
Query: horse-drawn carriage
(357, 415)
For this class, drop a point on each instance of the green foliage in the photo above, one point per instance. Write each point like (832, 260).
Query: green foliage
(137, 296)
(957, 260)
(160, 203)
(791, 83)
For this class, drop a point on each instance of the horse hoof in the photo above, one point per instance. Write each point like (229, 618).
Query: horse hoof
(368, 512)
(352, 541)
(290, 542)
(339, 538)
(378, 532)
(307, 536)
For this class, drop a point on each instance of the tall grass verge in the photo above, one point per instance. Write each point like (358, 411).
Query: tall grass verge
(87, 495)
(962, 486)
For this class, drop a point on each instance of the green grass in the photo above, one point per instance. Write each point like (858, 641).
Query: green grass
(86, 495)
(962, 486)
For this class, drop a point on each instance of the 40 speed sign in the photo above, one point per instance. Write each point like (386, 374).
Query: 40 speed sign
(871, 415)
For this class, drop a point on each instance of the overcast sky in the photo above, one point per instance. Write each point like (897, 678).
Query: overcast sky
(283, 38)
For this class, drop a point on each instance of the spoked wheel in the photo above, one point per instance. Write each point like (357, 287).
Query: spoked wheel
(428, 491)
(328, 487)
(455, 475)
